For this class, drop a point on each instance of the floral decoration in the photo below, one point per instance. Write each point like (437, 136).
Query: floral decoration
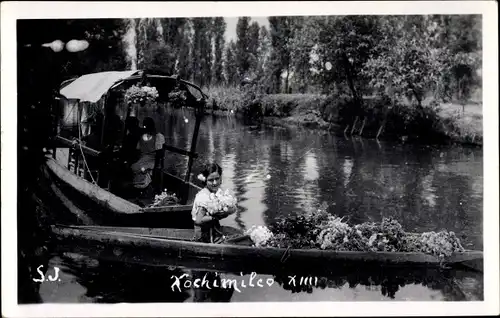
(138, 94)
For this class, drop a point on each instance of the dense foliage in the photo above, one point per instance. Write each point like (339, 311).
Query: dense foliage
(318, 229)
(410, 56)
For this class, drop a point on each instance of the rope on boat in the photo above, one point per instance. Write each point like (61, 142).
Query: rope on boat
(286, 255)
(83, 155)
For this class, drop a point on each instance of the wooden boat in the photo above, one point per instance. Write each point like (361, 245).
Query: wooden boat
(72, 171)
(158, 245)
(125, 228)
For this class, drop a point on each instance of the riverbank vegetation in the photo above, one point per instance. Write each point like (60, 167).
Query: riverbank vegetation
(404, 77)
(434, 121)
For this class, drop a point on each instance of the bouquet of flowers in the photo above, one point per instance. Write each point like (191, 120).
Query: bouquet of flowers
(259, 235)
(441, 244)
(334, 234)
(177, 97)
(164, 198)
(221, 202)
(136, 94)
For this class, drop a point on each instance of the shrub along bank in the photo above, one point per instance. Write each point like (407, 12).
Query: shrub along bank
(376, 117)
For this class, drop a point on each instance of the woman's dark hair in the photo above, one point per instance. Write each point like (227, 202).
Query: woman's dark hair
(149, 126)
(211, 168)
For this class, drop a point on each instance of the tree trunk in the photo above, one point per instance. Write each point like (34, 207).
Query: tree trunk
(350, 79)
(277, 82)
(286, 79)
(417, 95)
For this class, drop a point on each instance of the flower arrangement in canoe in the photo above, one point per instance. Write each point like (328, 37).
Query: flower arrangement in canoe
(260, 235)
(165, 198)
(138, 94)
(318, 229)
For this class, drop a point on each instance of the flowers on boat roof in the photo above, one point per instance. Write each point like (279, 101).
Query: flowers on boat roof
(137, 94)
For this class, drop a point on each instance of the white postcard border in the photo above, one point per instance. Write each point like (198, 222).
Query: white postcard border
(30, 10)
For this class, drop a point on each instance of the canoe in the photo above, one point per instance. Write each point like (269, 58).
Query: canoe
(132, 244)
(97, 206)
(80, 176)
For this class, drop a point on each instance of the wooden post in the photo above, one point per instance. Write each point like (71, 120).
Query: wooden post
(55, 127)
(77, 163)
(347, 127)
(380, 129)
(193, 143)
(162, 166)
(84, 174)
(354, 125)
(362, 126)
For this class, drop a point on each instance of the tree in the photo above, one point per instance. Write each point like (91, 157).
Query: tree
(346, 43)
(219, 30)
(253, 46)
(146, 35)
(305, 36)
(172, 31)
(405, 59)
(281, 33)
(202, 50)
(172, 34)
(231, 64)
(184, 66)
(461, 35)
(160, 57)
(263, 58)
(242, 46)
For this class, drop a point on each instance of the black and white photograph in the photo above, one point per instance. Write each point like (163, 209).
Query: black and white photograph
(250, 156)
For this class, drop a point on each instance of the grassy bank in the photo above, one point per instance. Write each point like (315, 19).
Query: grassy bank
(375, 117)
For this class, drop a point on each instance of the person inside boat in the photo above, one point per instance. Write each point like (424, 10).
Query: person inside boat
(93, 140)
(129, 152)
(150, 147)
(206, 225)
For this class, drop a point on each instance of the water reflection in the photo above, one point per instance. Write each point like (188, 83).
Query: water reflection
(276, 171)
(85, 280)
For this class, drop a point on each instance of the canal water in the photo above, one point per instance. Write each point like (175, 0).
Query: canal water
(276, 171)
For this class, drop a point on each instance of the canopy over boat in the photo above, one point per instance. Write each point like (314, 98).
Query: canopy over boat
(95, 109)
(91, 87)
(87, 99)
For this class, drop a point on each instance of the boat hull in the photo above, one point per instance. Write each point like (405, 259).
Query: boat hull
(134, 246)
(79, 201)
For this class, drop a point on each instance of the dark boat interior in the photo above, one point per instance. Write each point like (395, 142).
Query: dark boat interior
(101, 155)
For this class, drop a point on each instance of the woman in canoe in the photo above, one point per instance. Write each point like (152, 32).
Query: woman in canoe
(210, 205)
(150, 147)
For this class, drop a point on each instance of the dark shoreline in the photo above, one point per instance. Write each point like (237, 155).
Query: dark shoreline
(293, 122)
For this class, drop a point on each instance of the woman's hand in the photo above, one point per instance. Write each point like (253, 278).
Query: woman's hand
(223, 214)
